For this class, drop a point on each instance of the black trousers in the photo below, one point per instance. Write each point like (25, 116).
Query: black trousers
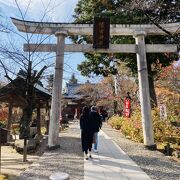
(86, 141)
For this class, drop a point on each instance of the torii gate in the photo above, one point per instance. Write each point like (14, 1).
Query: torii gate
(61, 30)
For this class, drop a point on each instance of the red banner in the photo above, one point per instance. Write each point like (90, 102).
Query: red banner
(127, 107)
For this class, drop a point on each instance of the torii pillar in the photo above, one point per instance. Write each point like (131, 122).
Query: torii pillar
(144, 90)
(57, 92)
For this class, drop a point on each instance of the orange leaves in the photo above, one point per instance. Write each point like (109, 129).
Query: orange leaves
(3, 115)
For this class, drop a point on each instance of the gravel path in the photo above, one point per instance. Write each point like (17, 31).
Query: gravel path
(68, 158)
(155, 164)
(12, 162)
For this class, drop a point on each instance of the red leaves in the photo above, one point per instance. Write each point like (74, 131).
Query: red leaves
(3, 115)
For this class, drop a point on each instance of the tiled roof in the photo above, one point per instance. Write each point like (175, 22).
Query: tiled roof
(15, 88)
(71, 90)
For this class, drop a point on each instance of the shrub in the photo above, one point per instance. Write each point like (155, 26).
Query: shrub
(15, 128)
(116, 122)
(131, 127)
(2, 177)
(164, 131)
(2, 124)
(43, 130)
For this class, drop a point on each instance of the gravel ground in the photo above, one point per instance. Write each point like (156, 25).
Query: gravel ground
(68, 158)
(154, 163)
(12, 162)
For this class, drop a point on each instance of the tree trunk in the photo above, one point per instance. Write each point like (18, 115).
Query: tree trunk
(27, 113)
(25, 122)
(151, 86)
(115, 106)
(9, 119)
(38, 120)
(10, 116)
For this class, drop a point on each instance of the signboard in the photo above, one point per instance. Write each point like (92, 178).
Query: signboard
(163, 113)
(127, 107)
(101, 29)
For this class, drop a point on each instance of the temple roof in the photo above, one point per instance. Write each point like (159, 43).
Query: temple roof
(12, 92)
(70, 91)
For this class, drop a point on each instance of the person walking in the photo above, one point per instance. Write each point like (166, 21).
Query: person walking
(96, 120)
(86, 132)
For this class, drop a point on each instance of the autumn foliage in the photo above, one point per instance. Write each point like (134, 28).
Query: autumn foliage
(164, 130)
(3, 115)
(169, 77)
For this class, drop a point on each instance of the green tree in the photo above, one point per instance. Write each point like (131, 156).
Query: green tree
(50, 82)
(119, 12)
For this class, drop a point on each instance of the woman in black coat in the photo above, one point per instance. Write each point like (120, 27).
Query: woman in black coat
(86, 132)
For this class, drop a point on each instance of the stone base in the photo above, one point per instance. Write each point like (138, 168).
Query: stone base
(59, 176)
(151, 147)
(31, 145)
(53, 147)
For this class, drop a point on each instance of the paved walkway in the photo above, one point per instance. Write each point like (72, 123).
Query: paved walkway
(111, 163)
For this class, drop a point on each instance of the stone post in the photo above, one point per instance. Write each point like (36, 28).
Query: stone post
(148, 134)
(57, 91)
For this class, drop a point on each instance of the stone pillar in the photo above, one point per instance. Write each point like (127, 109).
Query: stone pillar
(148, 133)
(57, 91)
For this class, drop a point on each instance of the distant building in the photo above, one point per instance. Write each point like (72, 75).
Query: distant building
(70, 90)
(72, 101)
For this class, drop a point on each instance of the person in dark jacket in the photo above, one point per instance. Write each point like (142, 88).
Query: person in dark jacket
(96, 120)
(86, 132)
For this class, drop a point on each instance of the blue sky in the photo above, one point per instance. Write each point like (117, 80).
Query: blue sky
(56, 11)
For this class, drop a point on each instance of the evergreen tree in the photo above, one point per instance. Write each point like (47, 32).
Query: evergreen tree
(73, 79)
(50, 82)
